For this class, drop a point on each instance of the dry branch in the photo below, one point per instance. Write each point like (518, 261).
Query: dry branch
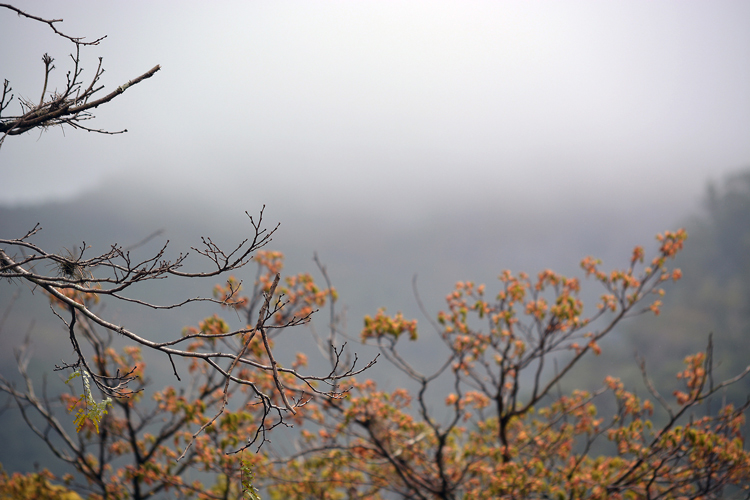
(71, 106)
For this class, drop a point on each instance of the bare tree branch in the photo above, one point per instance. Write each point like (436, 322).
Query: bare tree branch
(51, 24)
(71, 106)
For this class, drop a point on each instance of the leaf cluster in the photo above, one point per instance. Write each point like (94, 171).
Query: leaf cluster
(88, 409)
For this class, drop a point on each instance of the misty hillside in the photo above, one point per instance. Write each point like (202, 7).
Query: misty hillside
(371, 261)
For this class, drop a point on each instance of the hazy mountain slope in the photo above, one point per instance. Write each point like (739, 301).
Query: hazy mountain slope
(714, 296)
(371, 260)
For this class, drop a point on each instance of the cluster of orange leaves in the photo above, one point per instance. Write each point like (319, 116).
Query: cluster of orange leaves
(394, 326)
(301, 295)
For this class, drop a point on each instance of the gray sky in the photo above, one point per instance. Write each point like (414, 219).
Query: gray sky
(389, 107)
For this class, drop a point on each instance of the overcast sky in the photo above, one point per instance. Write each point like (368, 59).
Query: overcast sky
(392, 106)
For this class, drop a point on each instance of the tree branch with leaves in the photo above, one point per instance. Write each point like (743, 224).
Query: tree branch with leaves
(78, 282)
(508, 430)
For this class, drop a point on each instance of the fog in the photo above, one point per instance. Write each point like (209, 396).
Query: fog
(446, 140)
(394, 110)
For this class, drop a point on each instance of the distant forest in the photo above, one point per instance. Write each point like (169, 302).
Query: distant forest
(714, 293)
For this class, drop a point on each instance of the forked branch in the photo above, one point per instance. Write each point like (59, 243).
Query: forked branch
(76, 281)
(73, 104)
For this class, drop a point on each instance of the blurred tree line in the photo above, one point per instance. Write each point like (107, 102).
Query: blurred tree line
(714, 293)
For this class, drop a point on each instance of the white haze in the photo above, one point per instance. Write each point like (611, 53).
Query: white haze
(394, 109)
(445, 139)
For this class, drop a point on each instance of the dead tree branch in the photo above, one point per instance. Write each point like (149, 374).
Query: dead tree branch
(73, 105)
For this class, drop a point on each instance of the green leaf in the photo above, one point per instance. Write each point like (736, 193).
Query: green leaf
(92, 410)
(249, 491)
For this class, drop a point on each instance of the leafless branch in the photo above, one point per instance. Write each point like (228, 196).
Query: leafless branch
(72, 105)
(51, 24)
